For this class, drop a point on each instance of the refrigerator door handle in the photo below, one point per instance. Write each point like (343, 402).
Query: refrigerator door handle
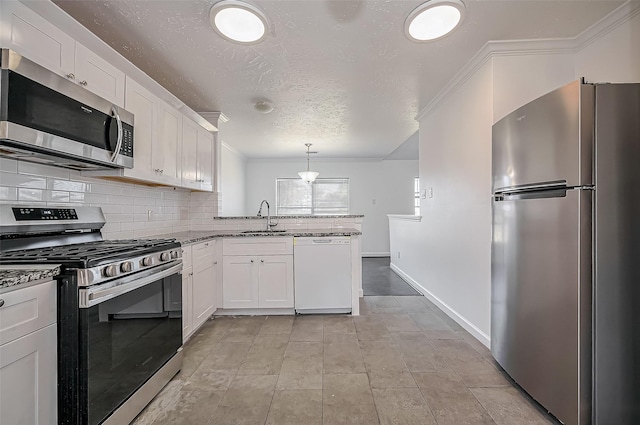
(558, 192)
(531, 187)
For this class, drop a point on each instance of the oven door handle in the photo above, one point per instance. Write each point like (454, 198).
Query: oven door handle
(95, 295)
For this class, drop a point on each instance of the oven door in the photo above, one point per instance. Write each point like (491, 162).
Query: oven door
(128, 331)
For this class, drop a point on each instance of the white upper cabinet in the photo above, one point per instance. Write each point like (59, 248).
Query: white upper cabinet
(168, 147)
(205, 160)
(35, 38)
(197, 156)
(157, 137)
(99, 76)
(143, 104)
(32, 36)
(189, 153)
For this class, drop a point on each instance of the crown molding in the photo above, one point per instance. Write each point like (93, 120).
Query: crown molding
(613, 20)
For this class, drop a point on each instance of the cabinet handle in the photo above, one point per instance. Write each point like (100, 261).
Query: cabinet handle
(262, 261)
(207, 244)
(161, 171)
(191, 274)
(215, 262)
(252, 261)
(83, 83)
(1, 302)
(70, 76)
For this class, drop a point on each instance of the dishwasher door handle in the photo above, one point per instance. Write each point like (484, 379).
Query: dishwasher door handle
(322, 241)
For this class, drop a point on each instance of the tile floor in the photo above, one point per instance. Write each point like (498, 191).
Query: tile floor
(379, 279)
(401, 362)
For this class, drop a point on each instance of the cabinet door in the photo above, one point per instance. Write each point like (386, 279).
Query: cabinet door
(99, 76)
(143, 105)
(26, 32)
(187, 303)
(275, 281)
(25, 310)
(28, 379)
(203, 294)
(205, 159)
(169, 142)
(189, 153)
(239, 282)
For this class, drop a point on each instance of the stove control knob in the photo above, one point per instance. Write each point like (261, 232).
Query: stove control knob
(126, 267)
(111, 271)
(164, 256)
(174, 255)
(147, 261)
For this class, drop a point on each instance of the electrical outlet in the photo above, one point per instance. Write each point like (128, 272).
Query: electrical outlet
(398, 254)
(430, 192)
(423, 194)
(149, 215)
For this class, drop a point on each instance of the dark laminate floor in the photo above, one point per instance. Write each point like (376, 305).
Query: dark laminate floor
(402, 362)
(379, 279)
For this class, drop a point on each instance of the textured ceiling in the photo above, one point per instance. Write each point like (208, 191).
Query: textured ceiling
(340, 73)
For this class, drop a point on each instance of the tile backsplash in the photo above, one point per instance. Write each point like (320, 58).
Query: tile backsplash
(131, 210)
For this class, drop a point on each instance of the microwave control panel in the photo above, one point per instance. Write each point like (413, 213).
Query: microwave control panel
(127, 140)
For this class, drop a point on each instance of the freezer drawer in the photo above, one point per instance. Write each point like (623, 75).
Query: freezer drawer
(547, 140)
(541, 298)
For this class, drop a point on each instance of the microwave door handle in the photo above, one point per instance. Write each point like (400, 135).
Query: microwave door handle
(116, 152)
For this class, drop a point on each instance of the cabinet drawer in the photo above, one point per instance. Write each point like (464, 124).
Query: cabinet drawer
(186, 257)
(26, 310)
(204, 254)
(257, 246)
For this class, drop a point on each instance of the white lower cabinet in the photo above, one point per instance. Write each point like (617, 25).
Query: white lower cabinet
(239, 283)
(199, 285)
(262, 280)
(28, 358)
(275, 281)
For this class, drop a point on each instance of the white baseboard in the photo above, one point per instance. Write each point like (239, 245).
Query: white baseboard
(376, 254)
(468, 326)
(255, 312)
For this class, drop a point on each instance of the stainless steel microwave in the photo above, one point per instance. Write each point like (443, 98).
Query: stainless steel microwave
(47, 119)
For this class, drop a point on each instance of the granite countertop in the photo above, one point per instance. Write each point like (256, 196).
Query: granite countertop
(16, 274)
(188, 238)
(249, 217)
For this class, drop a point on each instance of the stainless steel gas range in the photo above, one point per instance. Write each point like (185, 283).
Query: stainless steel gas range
(119, 309)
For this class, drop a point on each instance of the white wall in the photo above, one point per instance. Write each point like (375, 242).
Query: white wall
(448, 252)
(614, 58)
(233, 182)
(388, 183)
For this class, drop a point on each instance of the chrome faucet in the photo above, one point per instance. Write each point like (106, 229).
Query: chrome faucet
(269, 223)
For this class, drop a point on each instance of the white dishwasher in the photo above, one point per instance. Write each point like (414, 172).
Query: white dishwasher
(322, 274)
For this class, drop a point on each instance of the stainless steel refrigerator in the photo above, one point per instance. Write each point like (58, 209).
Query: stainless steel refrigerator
(565, 303)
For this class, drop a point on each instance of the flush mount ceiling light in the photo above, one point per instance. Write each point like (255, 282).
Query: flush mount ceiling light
(238, 21)
(308, 176)
(433, 20)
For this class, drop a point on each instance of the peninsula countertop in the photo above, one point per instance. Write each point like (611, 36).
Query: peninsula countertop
(188, 238)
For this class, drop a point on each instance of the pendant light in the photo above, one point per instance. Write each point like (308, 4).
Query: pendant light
(308, 176)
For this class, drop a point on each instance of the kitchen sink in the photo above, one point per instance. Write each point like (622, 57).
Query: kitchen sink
(264, 231)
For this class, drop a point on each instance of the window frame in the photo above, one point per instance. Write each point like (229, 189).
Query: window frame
(346, 180)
